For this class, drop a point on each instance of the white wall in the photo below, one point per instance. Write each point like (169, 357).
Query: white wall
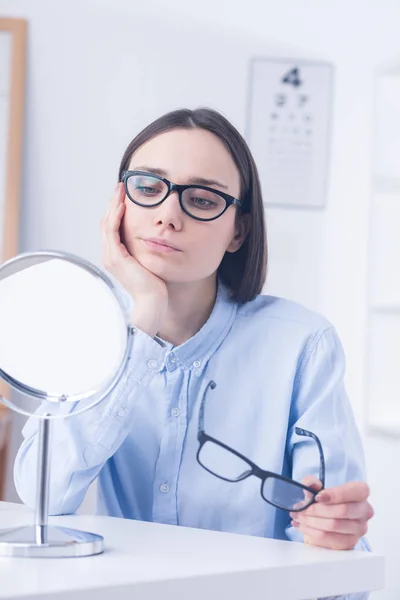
(98, 70)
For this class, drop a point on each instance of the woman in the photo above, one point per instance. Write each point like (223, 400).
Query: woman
(185, 236)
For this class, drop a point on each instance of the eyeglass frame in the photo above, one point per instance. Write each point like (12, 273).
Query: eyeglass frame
(174, 187)
(203, 437)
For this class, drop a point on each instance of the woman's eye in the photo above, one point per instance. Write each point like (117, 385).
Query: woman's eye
(202, 202)
(147, 190)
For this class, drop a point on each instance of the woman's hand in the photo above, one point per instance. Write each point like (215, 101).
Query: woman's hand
(338, 519)
(148, 291)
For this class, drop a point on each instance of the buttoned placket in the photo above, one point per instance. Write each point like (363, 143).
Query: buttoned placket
(182, 363)
(171, 447)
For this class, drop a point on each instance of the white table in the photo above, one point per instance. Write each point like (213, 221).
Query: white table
(148, 561)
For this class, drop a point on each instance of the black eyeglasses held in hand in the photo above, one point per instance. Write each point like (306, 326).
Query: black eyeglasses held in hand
(227, 464)
(197, 201)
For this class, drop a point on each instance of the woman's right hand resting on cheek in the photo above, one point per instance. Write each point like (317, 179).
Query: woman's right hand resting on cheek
(148, 291)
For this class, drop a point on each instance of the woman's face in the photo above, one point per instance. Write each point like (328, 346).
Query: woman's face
(183, 156)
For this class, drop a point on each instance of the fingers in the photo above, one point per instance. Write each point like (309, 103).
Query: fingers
(116, 200)
(325, 539)
(113, 250)
(350, 510)
(114, 223)
(332, 525)
(338, 519)
(353, 491)
(110, 205)
(312, 482)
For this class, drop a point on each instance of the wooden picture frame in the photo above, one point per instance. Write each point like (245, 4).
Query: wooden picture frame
(12, 101)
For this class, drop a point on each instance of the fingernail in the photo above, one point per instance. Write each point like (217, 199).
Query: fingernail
(323, 497)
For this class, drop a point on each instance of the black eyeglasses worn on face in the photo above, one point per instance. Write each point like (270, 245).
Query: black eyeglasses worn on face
(227, 464)
(200, 202)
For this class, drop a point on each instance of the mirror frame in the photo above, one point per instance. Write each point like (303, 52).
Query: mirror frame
(61, 400)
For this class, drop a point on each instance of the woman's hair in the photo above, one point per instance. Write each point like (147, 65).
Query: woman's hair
(243, 271)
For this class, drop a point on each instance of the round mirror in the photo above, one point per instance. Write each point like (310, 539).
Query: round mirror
(64, 331)
(64, 337)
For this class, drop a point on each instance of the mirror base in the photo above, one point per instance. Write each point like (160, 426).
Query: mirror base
(49, 542)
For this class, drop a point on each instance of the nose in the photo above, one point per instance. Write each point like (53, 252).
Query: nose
(169, 213)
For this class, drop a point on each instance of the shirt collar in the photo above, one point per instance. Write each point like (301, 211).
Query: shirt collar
(195, 352)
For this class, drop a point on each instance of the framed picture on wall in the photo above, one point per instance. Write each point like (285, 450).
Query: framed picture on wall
(382, 385)
(12, 94)
(289, 128)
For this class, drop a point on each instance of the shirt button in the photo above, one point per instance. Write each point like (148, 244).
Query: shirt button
(121, 411)
(175, 412)
(197, 364)
(164, 488)
(172, 358)
(152, 363)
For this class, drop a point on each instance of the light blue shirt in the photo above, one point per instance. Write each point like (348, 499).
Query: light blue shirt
(276, 364)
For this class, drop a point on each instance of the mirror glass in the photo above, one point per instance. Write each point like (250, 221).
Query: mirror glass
(63, 327)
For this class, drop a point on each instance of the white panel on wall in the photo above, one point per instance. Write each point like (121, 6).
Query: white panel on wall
(296, 243)
(387, 125)
(383, 310)
(383, 372)
(385, 251)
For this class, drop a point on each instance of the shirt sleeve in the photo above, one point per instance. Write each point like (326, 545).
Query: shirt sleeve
(320, 405)
(81, 444)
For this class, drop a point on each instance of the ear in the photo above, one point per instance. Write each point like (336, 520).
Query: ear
(242, 228)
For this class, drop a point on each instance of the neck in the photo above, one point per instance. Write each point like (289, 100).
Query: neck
(189, 307)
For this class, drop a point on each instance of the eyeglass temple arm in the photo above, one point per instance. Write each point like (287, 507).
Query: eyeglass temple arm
(211, 384)
(311, 435)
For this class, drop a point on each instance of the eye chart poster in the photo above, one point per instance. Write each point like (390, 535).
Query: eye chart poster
(288, 129)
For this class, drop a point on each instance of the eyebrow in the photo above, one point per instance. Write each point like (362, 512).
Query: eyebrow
(191, 180)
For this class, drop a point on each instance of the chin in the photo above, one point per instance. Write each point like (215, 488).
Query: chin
(160, 267)
(175, 274)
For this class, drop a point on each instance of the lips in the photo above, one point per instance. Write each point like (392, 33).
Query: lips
(160, 244)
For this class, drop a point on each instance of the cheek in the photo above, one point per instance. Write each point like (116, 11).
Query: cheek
(210, 243)
(131, 221)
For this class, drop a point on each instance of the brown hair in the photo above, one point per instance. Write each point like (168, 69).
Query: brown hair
(243, 271)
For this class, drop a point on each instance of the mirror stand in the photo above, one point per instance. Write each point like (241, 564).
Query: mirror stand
(63, 298)
(41, 539)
